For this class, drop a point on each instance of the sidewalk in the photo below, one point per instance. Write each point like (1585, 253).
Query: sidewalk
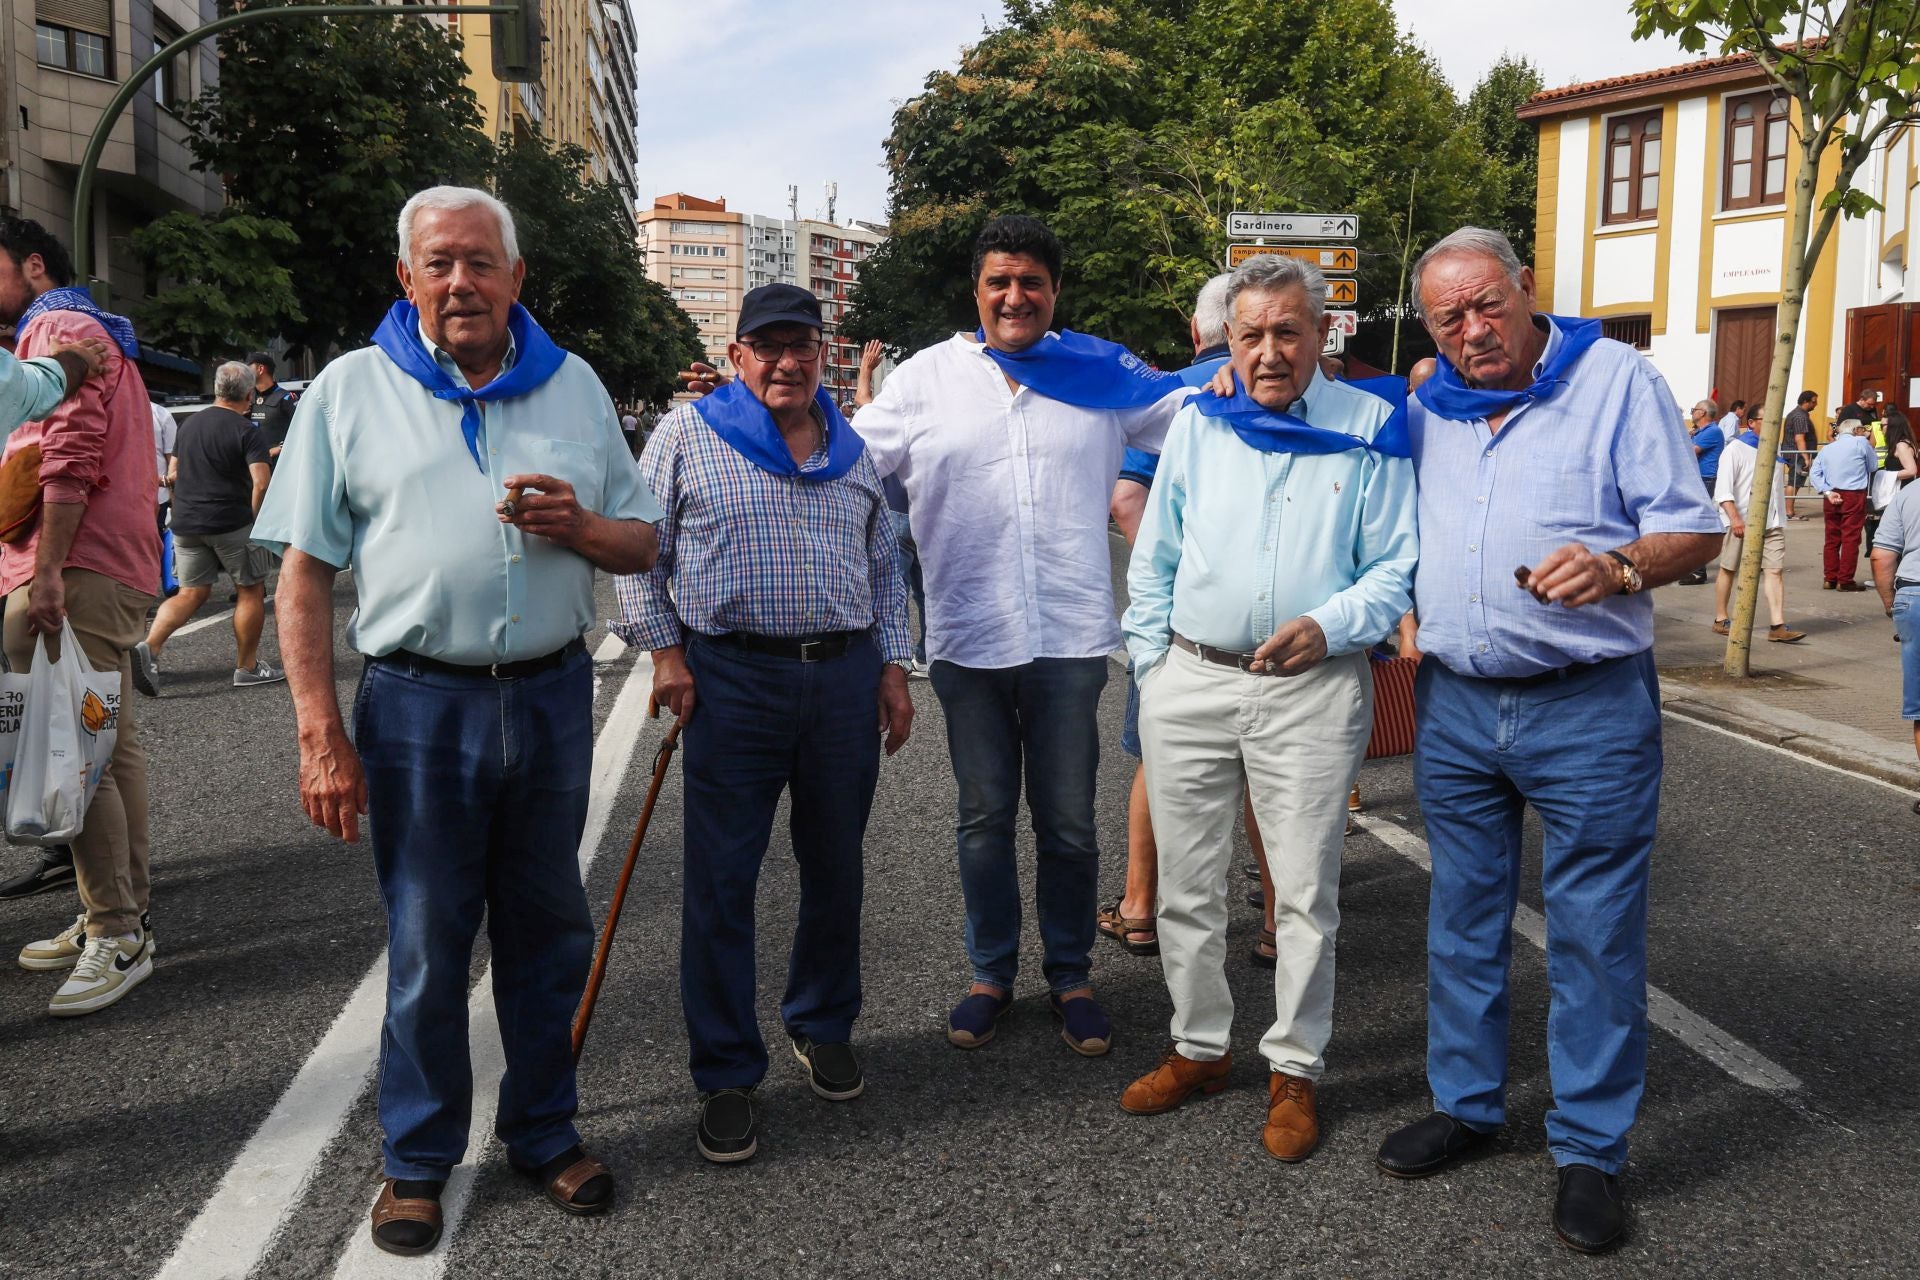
(1834, 696)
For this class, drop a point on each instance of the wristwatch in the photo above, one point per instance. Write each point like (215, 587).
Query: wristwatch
(1630, 580)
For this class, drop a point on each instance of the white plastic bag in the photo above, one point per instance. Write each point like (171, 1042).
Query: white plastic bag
(65, 741)
(13, 705)
(1885, 485)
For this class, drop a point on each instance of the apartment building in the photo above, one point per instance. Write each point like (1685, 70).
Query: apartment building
(60, 61)
(1662, 207)
(708, 256)
(587, 87)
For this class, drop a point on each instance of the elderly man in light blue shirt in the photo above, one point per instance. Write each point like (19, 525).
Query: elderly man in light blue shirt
(1554, 491)
(30, 389)
(1843, 474)
(1277, 545)
(474, 476)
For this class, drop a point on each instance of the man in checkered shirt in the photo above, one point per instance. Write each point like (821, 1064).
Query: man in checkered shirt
(778, 625)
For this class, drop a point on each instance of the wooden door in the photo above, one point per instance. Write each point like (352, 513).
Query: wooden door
(1876, 343)
(1742, 353)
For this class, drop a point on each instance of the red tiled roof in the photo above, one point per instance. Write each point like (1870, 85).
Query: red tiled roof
(1701, 72)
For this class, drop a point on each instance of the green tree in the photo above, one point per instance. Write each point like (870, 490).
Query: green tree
(223, 286)
(1510, 143)
(328, 126)
(1133, 127)
(586, 283)
(1849, 72)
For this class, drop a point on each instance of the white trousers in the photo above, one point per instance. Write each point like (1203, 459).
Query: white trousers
(1295, 743)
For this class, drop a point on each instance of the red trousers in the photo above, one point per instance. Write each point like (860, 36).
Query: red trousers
(1845, 519)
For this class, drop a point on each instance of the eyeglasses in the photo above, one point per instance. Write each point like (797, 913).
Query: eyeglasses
(805, 350)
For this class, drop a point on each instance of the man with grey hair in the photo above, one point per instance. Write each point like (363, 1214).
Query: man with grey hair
(474, 476)
(1130, 920)
(1543, 445)
(218, 478)
(1709, 438)
(1277, 546)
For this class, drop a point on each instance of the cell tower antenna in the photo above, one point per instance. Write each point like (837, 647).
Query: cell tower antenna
(833, 198)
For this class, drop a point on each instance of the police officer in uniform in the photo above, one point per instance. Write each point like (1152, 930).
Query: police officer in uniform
(272, 404)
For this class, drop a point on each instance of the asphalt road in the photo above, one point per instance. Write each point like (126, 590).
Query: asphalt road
(1784, 918)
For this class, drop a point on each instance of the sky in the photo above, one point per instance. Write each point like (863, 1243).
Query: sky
(740, 98)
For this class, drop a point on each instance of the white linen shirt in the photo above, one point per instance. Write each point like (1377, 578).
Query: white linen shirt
(1007, 495)
(1735, 484)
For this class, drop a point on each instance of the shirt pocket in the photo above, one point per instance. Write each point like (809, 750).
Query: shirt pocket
(580, 465)
(1566, 497)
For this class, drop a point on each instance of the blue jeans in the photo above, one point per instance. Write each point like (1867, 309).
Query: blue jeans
(477, 797)
(1906, 625)
(764, 725)
(1585, 753)
(1044, 714)
(910, 574)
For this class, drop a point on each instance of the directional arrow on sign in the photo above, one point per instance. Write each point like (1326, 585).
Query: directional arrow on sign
(1347, 322)
(1327, 259)
(1342, 293)
(1299, 226)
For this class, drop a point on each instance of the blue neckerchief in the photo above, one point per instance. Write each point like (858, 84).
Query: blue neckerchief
(119, 328)
(1448, 396)
(539, 359)
(1272, 431)
(1078, 369)
(737, 417)
(1200, 372)
(1749, 438)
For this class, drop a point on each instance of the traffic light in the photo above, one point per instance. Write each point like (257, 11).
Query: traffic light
(516, 42)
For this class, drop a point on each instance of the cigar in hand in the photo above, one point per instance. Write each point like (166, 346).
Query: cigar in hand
(512, 503)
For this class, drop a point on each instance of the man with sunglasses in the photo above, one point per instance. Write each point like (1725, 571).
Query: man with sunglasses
(777, 620)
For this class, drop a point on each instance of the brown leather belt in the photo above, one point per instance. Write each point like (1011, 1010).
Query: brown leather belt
(1219, 657)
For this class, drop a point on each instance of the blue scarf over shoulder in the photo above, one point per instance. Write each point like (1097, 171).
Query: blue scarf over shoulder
(1272, 431)
(119, 328)
(1085, 371)
(537, 360)
(737, 417)
(1447, 394)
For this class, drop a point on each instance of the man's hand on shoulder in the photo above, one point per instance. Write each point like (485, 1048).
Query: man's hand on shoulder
(701, 378)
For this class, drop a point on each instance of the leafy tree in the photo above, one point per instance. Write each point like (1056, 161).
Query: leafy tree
(328, 126)
(1849, 72)
(1133, 140)
(586, 283)
(225, 288)
(1511, 143)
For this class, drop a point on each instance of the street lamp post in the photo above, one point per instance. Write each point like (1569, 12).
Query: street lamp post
(522, 35)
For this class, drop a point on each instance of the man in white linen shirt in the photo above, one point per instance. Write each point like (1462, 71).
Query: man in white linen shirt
(1009, 491)
(1731, 490)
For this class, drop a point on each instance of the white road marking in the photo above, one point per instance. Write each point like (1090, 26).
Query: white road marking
(612, 755)
(610, 648)
(1907, 792)
(201, 624)
(247, 1211)
(1740, 1060)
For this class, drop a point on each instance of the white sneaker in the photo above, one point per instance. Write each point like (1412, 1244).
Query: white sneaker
(61, 951)
(261, 674)
(108, 969)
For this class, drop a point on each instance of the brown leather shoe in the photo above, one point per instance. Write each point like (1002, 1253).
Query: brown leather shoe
(1293, 1126)
(1173, 1082)
(1785, 635)
(416, 1222)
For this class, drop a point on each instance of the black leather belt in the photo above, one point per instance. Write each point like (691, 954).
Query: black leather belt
(816, 648)
(1569, 672)
(1901, 584)
(517, 670)
(1219, 657)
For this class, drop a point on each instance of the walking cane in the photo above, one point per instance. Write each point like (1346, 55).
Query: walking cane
(594, 979)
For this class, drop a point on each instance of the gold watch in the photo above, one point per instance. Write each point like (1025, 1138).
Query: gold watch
(1630, 580)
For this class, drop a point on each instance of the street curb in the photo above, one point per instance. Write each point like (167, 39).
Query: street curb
(1832, 744)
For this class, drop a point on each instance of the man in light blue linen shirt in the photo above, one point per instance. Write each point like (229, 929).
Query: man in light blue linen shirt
(1278, 541)
(473, 735)
(1553, 491)
(30, 389)
(1843, 474)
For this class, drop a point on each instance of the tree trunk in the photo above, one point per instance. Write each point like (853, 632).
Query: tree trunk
(1793, 295)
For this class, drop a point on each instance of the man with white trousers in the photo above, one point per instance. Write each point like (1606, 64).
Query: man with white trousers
(1277, 545)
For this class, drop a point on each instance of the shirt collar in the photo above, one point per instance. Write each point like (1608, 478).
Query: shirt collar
(448, 363)
(1554, 339)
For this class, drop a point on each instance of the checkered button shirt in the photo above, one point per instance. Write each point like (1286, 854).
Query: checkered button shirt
(742, 549)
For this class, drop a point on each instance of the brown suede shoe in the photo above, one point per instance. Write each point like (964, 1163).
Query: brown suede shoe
(1293, 1127)
(1173, 1082)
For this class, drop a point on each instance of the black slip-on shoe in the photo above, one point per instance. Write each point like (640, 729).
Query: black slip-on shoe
(729, 1131)
(1589, 1211)
(53, 870)
(832, 1069)
(1427, 1146)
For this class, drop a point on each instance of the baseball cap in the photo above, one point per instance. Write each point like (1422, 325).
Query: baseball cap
(778, 304)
